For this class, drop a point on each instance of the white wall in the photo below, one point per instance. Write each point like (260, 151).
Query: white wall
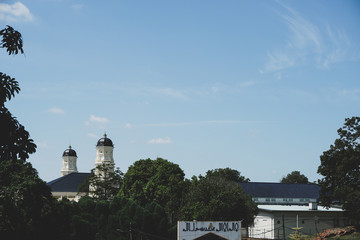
(263, 226)
(271, 225)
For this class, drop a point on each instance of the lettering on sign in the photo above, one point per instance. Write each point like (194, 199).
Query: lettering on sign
(220, 227)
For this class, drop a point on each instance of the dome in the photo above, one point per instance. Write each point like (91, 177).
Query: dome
(105, 142)
(69, 152)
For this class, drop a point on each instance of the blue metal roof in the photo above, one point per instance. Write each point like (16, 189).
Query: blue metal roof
(281, 190)
(68, 183)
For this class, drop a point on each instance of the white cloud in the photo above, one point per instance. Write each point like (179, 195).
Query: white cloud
(246, 84)
(77, 7)
(43, 144)
(56, 110)
(15, 13)
(128, 125)
(196, 123)
(93, 118)
(160, 140)
(92, 135)
(171, 92)
(278, 60)
(215, 89)
(254, 133)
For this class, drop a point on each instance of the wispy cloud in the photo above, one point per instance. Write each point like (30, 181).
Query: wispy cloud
(43, 144)
(195, 123)
(246, 84)
(166, 140)
(96, 119)
(92, 135)
(128, 125)
(348, 94)
(254, 133)
(170, 92)
(56, 110)
(77, 7)
(308, 43)
(16, 12)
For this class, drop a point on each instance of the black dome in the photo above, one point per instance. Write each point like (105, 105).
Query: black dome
(69, 152)
(105, 142)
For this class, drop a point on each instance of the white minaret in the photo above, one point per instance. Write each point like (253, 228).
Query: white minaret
(69, 162)
(104, 154)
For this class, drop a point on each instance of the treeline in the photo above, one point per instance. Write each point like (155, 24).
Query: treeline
(153, 196)
(120, 218)
(28, 211)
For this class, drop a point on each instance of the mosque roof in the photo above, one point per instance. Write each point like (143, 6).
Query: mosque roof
(105, 141)
(68, 183)
(69, 152)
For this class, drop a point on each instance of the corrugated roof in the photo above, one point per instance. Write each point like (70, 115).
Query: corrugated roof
(297, 208)
(281, 190)
(68, 183)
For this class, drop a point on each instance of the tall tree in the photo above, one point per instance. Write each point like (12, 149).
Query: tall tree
(103, 183)
(340, 166)
(218, 199)
(228, 174)
(156, 180)
(295, 177)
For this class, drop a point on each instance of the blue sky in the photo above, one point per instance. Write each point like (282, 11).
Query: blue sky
(257, 86)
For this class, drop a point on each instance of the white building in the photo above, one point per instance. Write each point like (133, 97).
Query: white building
(68, 184)
(277, 221)
(284, 206)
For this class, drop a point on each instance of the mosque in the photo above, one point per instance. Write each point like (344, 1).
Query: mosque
(68, 184)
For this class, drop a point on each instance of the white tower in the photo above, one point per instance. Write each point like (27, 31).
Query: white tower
(69, 162)
(104, 154)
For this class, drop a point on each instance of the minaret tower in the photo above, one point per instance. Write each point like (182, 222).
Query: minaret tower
(69, 162)
(104, 154)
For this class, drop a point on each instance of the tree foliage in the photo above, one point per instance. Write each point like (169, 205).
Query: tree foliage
(155, 181)
(340, 166)
(26, 204)
(11, 40)
(15, 141)
(295, 177)
(218, 199)
(228, 174)
(120, 218)
(103, 183)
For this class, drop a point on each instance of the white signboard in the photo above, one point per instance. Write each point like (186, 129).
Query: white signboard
(209, 230)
